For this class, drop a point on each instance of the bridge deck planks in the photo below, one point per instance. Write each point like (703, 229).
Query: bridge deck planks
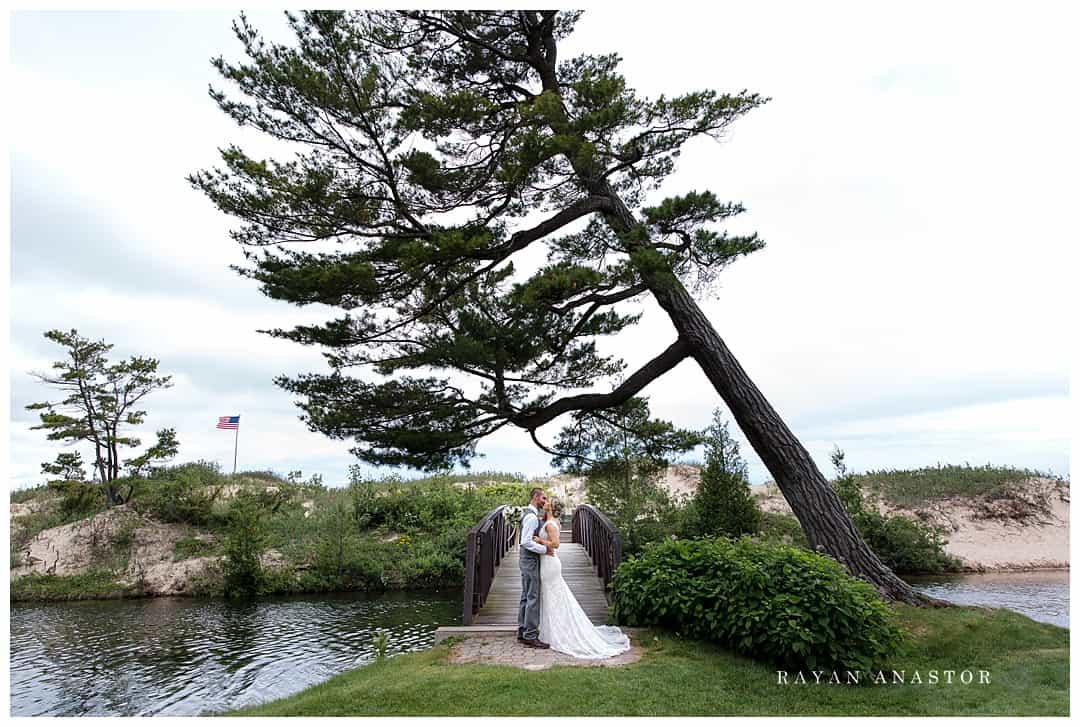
(501, 606)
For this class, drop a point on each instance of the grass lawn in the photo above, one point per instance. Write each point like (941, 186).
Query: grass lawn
(1028, 664)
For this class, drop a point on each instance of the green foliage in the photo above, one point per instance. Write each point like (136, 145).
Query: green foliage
(428, 566)
(336, 543)
(98, 400)
(244, 540)
(783, 528)
(639, 508)
(183, 494)
(381, 640)
(623, 452)
(26, 494)
(91, 584)
(724, 505)
(427, 505)
(67, 466)
(384, 534)
(165, 448)
(78, 499)
(914, 488)
(906, 546)
(423, 233)
(191, 547)
(619, 442)
(29, 525)
(780, 604)
(74, 500)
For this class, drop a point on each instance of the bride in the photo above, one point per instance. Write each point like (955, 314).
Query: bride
(563, 623)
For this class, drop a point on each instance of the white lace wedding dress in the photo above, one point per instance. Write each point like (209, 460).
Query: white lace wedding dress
(564, 624)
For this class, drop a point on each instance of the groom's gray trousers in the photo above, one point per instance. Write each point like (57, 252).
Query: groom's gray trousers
(529, 609)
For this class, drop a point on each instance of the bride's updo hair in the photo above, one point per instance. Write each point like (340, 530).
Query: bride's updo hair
(556, 507)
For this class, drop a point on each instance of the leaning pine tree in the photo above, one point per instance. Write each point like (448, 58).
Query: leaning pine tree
(421, 140)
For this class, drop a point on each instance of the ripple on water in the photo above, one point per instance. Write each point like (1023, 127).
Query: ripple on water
(173, 656)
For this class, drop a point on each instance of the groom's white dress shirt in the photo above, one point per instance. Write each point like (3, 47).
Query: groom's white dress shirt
(528, 526)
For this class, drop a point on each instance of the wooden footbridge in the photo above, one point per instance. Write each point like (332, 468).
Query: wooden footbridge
(590, 552)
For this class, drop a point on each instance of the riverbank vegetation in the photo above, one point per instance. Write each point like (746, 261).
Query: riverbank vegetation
(1028, 665)
(392, 533)
(258, 533)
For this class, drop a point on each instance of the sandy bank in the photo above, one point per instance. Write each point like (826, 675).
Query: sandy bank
(989, 534)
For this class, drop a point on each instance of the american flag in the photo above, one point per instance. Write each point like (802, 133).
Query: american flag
(228, 422)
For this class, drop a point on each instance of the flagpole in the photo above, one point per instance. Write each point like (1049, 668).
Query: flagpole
(236, 445)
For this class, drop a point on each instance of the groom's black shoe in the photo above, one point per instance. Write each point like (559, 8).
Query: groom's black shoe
(535, 644)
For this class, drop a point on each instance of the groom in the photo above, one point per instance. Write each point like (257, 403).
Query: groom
(528, 631)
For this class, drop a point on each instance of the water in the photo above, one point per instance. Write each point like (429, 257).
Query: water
(1040, 595)
(175, 656)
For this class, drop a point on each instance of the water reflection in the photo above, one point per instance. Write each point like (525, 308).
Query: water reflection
(174, 656)
(1039, 595)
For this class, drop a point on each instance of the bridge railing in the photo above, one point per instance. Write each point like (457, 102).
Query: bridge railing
(485, 545)
(599, 537)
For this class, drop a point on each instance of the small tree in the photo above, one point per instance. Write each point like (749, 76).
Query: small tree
(723, 501)
(337, 535)
(68, 466)
(99, 400)
(622, 452)
(244, 540)
(619, 442)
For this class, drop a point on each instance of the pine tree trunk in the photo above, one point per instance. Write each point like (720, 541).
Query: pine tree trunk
(826, 523)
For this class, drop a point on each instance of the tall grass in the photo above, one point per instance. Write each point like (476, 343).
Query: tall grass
(912, 488)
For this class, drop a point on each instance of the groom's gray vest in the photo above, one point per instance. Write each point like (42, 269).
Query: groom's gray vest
(539, 526)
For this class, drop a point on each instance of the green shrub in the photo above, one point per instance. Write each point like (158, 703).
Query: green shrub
(367, 510)
(426, 505)
(783, 528)
(640, 509)
(244, 541)
(335, 543)
(427, 566)
(78, 499)
(498, 493)
(182, 494)
(906, 546)
(185, 548)
(781, 604)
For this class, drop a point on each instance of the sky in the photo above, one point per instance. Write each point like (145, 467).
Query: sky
(913, 176)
